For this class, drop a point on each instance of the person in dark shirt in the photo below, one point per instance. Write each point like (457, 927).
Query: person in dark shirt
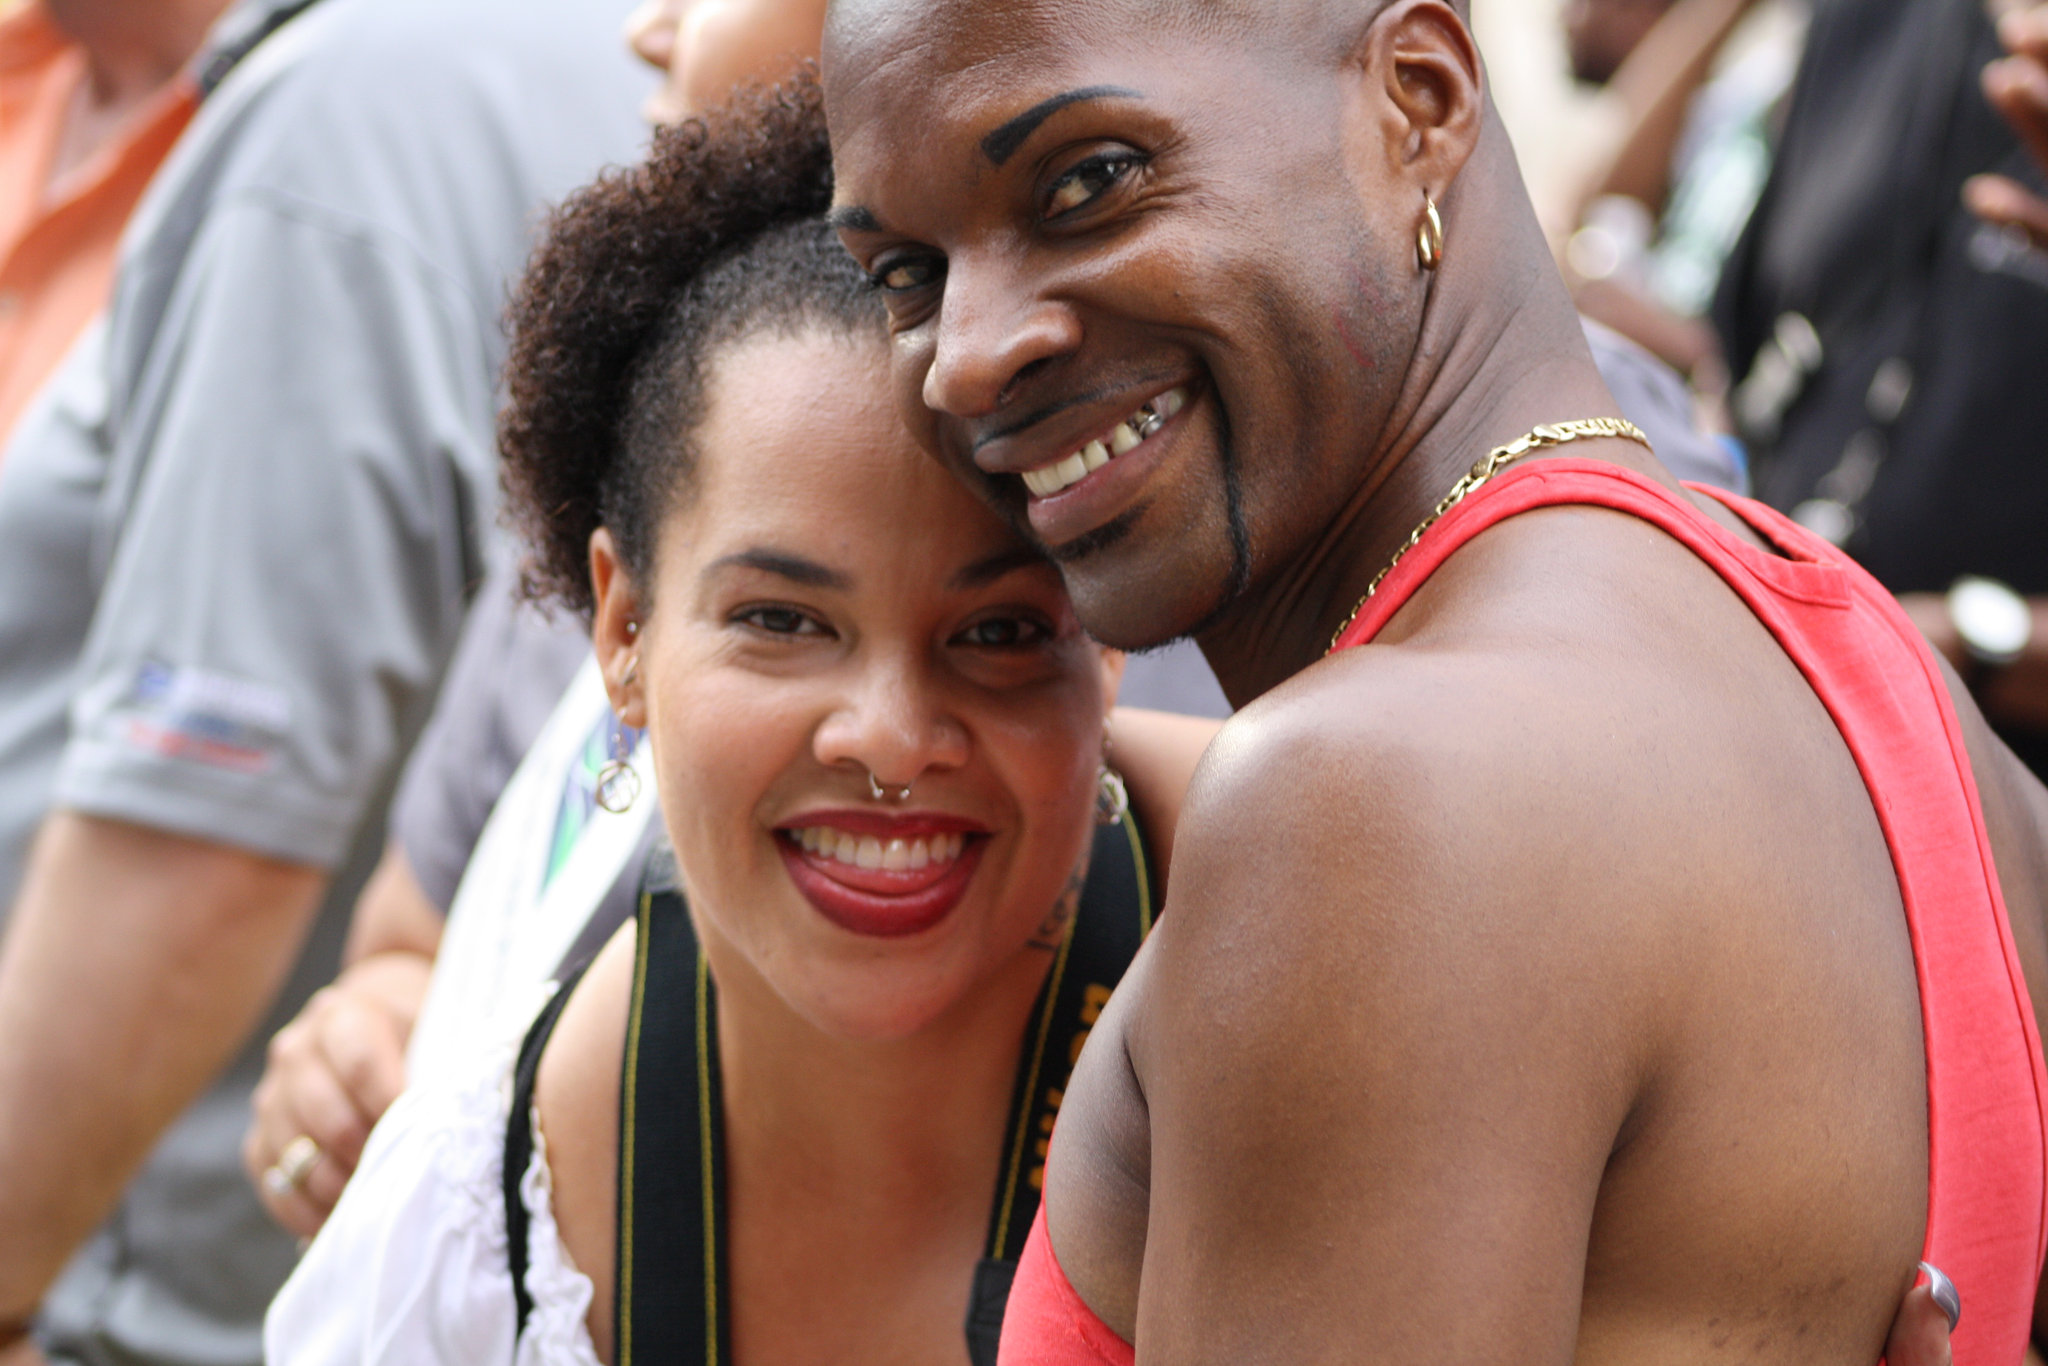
(1888, 332)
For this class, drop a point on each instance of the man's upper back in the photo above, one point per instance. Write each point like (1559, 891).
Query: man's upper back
(1586, 1018)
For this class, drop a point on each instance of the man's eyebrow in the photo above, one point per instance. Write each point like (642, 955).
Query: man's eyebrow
(987, 571)
(782, 564)
(1003, 143)
(853, 218)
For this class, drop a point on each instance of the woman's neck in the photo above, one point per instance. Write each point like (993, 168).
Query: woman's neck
(895, 1133)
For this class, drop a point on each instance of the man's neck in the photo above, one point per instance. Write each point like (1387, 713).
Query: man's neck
(133, 46)
(1500, 351)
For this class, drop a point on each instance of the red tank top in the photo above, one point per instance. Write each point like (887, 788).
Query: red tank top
(1987, 1095)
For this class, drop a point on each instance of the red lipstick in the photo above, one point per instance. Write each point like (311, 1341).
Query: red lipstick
(879, 901)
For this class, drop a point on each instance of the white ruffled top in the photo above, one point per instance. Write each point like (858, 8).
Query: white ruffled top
(412, 1265)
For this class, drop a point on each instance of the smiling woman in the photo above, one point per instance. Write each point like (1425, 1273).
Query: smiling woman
(811, 1084)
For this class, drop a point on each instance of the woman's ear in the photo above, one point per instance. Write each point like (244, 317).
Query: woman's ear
(1112, 677)
(617, 634)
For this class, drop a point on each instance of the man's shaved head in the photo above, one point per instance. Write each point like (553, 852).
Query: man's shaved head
(1085, 212)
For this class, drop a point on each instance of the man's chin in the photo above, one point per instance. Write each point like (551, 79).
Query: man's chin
(1133, 612)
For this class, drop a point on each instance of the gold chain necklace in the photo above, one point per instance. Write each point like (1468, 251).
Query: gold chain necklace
(1490, 464)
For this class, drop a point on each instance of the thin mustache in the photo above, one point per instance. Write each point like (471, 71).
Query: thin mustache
(1027, 420)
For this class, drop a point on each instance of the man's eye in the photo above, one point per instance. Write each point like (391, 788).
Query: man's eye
(1088, 179)
(904, 274)
(780, 621)
(1005, 633)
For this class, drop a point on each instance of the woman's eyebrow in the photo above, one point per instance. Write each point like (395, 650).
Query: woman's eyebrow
(1003, 143)
(986, 571)
(782, 564)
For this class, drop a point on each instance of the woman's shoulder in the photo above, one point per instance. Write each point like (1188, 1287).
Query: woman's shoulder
(1157, 753)
(576, 1105)
(412, 1266)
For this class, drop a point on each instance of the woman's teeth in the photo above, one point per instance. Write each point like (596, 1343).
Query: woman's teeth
(868, 851)
(1125, 437)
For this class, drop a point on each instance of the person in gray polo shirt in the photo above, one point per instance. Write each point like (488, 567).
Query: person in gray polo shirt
(237, 538)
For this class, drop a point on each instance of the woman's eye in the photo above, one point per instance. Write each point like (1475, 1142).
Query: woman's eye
(904, 274)
(1005, 633)
(1088, 179)
(780, 621)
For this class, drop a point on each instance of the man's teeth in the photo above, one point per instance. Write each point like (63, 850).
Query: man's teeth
(1124, 438)
(868, 851)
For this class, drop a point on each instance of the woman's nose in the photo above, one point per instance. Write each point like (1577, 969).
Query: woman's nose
(894, 727)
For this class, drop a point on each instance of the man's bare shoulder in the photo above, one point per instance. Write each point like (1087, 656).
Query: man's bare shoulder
(1403, 811)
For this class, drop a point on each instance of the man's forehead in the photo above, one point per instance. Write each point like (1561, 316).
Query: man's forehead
(923, 53)
(883, 40)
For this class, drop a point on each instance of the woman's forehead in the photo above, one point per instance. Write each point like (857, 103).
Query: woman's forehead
(801, 442)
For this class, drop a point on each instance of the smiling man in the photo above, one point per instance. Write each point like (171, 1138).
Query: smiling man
(1567, 972)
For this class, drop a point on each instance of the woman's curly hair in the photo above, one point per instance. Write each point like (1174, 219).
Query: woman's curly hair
(642, 278)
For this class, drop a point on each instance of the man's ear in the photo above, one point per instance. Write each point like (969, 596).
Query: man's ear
(617, 633)
(1423, 91)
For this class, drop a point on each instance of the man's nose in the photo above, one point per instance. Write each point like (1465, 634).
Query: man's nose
(993, 327)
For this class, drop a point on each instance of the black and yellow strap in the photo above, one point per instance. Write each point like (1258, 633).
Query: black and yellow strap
(1111, 922)
(670, 1290)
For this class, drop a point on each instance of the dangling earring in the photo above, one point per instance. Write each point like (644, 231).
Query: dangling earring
(1429, 238)
(618, 784)
(1112, 798)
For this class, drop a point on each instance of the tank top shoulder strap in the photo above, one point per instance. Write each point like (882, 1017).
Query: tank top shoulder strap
(1987, 1091)
(1802, 567)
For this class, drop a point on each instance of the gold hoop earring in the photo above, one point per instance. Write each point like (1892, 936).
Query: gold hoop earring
(1429, 237)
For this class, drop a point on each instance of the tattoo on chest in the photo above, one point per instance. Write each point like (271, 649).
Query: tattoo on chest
(1054, 927)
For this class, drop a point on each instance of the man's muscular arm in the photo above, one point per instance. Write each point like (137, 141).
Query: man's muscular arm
(1381, 1088)
(134, 964)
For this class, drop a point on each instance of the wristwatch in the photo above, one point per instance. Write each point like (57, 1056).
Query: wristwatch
(1993, 622)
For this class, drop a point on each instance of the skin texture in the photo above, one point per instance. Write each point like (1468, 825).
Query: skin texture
(709, 46)
(866, 1080)
(132, 50)
(1600, 34)
(334, 1070)
(1610, 1060)
(180, 945)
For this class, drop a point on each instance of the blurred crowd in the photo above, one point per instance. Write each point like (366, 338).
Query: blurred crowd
(310, 778)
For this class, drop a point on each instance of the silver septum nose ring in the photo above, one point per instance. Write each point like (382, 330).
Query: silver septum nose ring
(883, 792)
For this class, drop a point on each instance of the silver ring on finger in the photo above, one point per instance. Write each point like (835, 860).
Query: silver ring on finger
(292, 1166)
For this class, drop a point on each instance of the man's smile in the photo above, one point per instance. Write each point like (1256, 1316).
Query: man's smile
(1121, 439)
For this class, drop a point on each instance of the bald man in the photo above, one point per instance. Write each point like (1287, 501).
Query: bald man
(1609, 959)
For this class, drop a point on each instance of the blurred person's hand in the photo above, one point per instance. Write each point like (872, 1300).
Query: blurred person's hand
(21, 1351)
(2017, 87)
(336, 1068)
(332, 1073)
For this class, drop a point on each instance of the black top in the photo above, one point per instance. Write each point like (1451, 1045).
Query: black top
(671, 1295)
(1924, 425)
